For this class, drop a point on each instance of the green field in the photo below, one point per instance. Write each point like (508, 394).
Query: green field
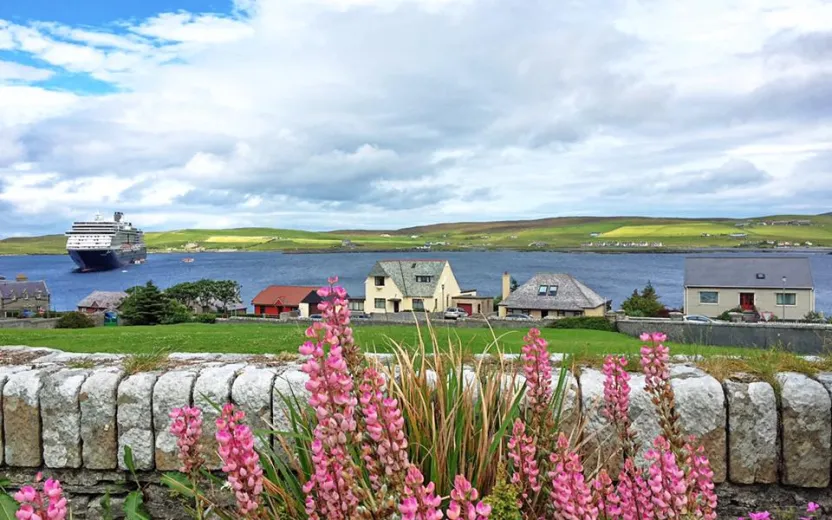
(554, 233)
(273, 339)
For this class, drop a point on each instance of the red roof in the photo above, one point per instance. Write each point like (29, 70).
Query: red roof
(288, 295)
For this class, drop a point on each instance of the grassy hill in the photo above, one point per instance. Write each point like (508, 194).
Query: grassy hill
(604, 233)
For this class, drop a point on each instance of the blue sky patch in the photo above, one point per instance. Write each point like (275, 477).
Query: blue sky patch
(102, 12)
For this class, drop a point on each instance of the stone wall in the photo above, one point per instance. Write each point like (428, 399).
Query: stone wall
(801, 338)
(436, 320)
(72, 415)
(28, 323)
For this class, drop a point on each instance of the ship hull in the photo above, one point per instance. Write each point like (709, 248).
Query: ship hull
(104, 259)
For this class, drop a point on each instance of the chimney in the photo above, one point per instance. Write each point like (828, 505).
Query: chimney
(506, 285)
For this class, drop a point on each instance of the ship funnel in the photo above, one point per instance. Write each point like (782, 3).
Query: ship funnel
(117, 216)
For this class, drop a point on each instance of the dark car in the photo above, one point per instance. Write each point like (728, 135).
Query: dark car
(361, 316)
(316, 317)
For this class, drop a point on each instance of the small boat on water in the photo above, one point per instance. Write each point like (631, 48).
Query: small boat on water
(188, 260)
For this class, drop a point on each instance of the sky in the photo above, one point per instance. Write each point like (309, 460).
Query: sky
(378, 114)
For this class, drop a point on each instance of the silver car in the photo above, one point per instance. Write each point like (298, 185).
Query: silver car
(455, 313)
(697, 318)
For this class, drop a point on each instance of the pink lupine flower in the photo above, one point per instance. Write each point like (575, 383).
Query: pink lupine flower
(701, 484)
(667, 482)
(386, 457)
(571, 496)
(336, 319)
(419, 502)
(522, 452)
(604, 497)
(812, 507)
(763, 515)
(331, 489)
(463, 498)
(48, 505)
(187, 428)
(617, 391)
(537, 367)
(654, 360)
(634, 493)
(240, 461)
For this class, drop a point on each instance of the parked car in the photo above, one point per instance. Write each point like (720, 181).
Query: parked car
(361, 316)
(698, 318)
(518, 316)
(455, 313)
(316, 317)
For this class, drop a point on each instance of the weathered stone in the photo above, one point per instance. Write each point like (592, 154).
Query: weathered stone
(643, 417)
(61, 416)
(601, 446)
(113, 510)
(99, 433)
(21, 418)
(213, 389)
(5, 372)
(252, 393)
(752, 432)
(172, 390)
(135, 420)
(806, 415)
(700, 402)
(289, 387)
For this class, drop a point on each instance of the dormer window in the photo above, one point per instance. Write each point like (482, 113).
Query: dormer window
(542, 290)
(423, 278)
(761, 276)
(553, 290)
(379, 281)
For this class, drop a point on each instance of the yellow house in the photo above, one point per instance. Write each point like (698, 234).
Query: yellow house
(779, 285)
(551, 296)
(410, 285)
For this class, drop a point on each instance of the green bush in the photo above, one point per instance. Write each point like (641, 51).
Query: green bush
(643, 304)
(206, 318)
(814, 317)
(75, 320)
(176, 312)
(584, 322)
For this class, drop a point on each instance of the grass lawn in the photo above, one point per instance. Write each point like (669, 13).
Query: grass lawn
(263, 339)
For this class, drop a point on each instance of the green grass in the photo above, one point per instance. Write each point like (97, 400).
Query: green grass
(273, 339)
(565, 232)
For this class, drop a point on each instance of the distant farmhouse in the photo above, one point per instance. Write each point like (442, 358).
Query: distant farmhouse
(782, 286)
(101, 301)
(548, 295)
(22, 295)
(278, 299)
(410, 285)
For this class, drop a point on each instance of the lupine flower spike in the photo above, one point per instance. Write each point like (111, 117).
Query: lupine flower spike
(187, 428)
(47, 505)
(240, 461)
(419, 502)
(464, 505)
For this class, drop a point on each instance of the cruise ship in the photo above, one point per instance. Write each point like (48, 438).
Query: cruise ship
(100, 244)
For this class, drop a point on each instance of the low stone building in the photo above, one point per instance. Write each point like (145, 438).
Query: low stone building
(23, 295)
(102, 301)
(551, 295)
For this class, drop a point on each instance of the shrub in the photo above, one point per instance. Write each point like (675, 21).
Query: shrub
(645, 304)
(814, 317)
(145, 305)
(75, 320)
(175, 312)
(205, 318)
(584, 322)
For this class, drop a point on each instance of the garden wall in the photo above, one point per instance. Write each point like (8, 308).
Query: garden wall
(801, 338)
(386, 320)
(71, 416)
(28, 323)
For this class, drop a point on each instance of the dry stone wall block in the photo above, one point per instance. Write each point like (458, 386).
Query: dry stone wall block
(752, 430)
(213, 388)
(21, 418)
(806, 415)
(172, 390)
(643, 417)
(99, 430)
(289, 388)
(252, 393)
(61, 416)
(700, 402)
(5, 372)
(601, 446)
(135, 420)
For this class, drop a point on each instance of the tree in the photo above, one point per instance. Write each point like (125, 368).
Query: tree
(512, 285)
(205, 293)
(645, 304)
(145, 305)
(225, 292)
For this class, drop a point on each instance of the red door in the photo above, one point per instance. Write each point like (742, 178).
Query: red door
(747, 301)
(467, 307)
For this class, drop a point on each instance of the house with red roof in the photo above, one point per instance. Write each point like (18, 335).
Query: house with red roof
(277, 299)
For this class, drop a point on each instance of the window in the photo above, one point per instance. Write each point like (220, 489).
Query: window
(380, 303)
(788, 298)
(379, 280)
(542, 290)
(356, 305)
(423, 279)
(553, 290)
(708, 297)
(418, 305)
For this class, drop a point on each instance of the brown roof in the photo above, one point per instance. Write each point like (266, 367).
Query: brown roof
(289, 295)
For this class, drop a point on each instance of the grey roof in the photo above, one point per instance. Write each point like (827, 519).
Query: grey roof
(13, 289)
(404, 272)
(103, 299)
(571, 295)
(764, 272)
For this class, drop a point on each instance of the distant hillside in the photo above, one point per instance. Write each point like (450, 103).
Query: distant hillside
(591, 233)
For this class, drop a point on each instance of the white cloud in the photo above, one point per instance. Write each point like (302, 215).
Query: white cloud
(10, 70)
(415, 108)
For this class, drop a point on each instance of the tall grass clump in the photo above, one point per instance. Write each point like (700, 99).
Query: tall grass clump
(432, 435)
